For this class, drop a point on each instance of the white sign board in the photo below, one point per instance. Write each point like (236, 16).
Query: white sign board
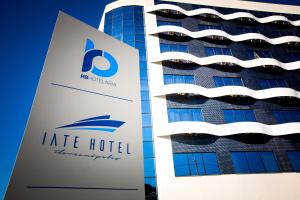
(83, 139)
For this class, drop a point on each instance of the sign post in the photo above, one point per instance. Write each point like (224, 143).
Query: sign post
(83, 138)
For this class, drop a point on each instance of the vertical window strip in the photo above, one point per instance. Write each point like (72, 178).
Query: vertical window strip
(127, 24)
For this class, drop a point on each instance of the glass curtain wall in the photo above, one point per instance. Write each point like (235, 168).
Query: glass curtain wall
(127, 24)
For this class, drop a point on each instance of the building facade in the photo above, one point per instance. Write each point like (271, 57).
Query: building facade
(220, 84)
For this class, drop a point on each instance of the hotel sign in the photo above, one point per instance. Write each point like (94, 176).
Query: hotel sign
(83, 138)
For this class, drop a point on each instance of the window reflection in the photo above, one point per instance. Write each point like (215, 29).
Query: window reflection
(225, 81)
(271, 83)
(173, 47)
(169, 23)
(294, 157)
(184, 114)
(286, 116)
(173, 78)
(210, 51)
(254, 162)
(195, 164)
(238, 115)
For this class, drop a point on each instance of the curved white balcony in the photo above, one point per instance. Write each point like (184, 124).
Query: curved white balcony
(225, 59)
(220, 33)
(228, 129)
(231, 16)
(226, 91)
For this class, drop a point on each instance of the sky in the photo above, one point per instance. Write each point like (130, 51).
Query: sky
(26, 29)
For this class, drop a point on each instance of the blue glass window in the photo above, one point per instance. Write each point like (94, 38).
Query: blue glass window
(149, 169)
(147, 134)
(194, 7)
(108, 23)
(286, 116)
(138, 23)
(139, 29)
(184, 114)
(210, 163)
(269, 161)
(143, 74)
(243, 30)
(181, 165)
(224, 81)
(271, 83)
(150, 181)
(144, 85)
(202, 27)
(239, 115)
(279, 33)
(294, 157)
(210, 51)
(144, 95)
(146, 107)
(128, 38)
(138, 9)
(254, 162)
(143, 64)
(164, 47)
(128, 24)
(148, 149)
(140, 37)
(292, 57)
(193, 164)
(140, 45)
(262, 54)
(172, 78)
(163, 23)
(128, 10)
(165, 2)
(146, 120)
(240, 162)
(118, 11)
(250, 54)
(173, 47)
(142, 55)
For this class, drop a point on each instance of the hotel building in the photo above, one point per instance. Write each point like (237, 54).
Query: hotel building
(220, 84)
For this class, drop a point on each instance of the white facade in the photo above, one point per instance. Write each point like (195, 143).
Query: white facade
(272, 186)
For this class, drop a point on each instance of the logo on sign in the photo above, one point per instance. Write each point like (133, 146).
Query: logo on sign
(102, 71)
(99, 123)
(90, 54)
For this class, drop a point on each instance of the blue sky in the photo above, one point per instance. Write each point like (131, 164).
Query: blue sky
(26, 29)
